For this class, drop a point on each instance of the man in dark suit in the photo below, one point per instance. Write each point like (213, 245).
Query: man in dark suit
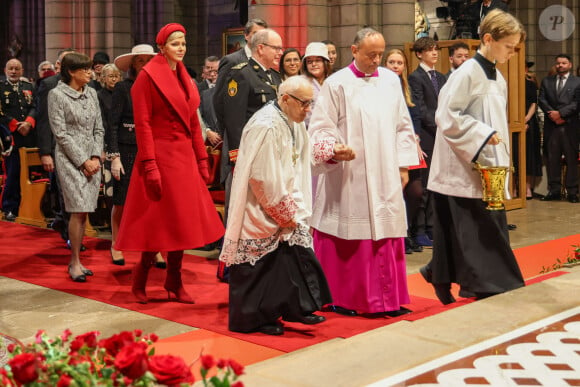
(425, 83)
(249, 87)
(209, 73)
(458, 53)
(558, 101)
(17, 113)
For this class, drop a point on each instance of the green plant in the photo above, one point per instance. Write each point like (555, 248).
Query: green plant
(122, 360)
(570, 260)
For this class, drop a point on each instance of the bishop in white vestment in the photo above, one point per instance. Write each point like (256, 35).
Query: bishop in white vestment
(359, 215)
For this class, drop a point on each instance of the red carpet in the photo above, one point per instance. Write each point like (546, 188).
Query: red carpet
(37, 256)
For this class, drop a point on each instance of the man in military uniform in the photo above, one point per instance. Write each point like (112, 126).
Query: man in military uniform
(220, 92)
(17, 113)
(248, 87)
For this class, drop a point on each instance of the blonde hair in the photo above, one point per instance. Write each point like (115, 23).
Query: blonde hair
(174, 35)
(500, 24)
(404, 75)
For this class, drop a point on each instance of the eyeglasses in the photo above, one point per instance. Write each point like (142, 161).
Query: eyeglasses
(303, 104)
(113, 76)
(276, 48)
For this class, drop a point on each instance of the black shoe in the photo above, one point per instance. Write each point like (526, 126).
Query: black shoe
(83, 247)
(341, 310)
(9, 216)
(396, 313)
(88, 272)
(511, 226)
(272, 329)
(426, 273)
(573, 198)
(161, 265)
(443, 293)
(309, 319)
(551, 196)
(416, 248)
(78, 278)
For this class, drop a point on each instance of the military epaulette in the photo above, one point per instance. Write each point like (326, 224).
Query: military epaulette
(239, 66)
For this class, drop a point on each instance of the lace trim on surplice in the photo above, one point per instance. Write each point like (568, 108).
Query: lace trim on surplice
(251, 250)
(323, 150)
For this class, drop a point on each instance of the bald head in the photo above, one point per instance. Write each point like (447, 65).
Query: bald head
(13, 70)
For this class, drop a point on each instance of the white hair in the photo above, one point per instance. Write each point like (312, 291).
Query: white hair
(293, 84)
(45, 63)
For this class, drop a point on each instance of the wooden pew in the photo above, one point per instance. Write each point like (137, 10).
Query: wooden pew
(32, 192)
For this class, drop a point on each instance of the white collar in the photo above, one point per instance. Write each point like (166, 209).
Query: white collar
(425, 67)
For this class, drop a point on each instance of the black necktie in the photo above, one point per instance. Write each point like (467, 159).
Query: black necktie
(269, 74)
(434, 81)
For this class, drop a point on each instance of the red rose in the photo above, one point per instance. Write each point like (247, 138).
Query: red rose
(222, 363)
(153, 337)
(114, 343)
(138, 332)
(38, 336)
(170, 370)
(24, 368)
(236, 367)
(89, 339)
(11, 347)
(132, 360)
(65, 335)
(64, 381)
(207, 361)
(238, 384)
(4, 381)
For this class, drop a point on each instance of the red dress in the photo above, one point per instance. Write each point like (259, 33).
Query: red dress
(168, 131)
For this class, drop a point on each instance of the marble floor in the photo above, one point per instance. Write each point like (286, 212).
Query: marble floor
(392, 355)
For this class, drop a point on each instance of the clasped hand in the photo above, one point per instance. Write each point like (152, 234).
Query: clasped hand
(343, 152)
(91, 166)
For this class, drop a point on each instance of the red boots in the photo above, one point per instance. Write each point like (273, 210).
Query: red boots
(140, 274)
(173, 283)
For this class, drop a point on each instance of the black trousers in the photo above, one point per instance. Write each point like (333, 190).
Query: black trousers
(11, 194)
(559, 144)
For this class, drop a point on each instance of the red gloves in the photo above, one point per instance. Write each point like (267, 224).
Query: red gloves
(203, 167)
(152, 180)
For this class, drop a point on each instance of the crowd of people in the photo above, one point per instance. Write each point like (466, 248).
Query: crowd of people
(331, 175)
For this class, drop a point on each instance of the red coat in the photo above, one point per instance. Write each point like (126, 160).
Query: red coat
(168, 132)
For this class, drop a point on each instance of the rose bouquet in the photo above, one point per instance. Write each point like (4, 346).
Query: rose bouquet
(124, 359)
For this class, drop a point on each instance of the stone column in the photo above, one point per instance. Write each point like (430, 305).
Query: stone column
(303, 21)
(87, 26)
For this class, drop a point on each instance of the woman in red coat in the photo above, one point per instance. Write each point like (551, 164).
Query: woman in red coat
(168, 206)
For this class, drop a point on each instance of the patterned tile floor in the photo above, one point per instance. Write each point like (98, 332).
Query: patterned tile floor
(545, 353)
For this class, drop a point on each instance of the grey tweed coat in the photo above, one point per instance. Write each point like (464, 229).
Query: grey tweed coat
(75, 121)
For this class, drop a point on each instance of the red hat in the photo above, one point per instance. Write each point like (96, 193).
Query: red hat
(167, 30)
